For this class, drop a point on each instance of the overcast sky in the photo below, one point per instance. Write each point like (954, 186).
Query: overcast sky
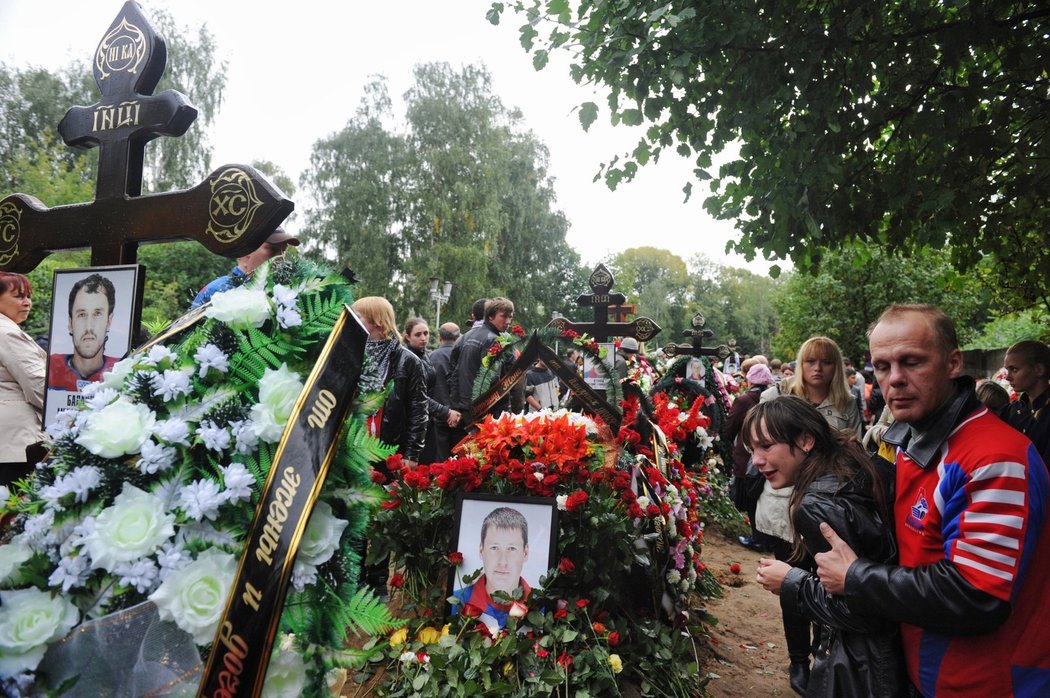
(296, 72)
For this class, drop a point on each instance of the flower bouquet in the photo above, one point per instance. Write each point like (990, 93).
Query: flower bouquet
(629, 556)
(130, 534)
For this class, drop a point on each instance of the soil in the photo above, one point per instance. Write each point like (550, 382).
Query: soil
(747, 652)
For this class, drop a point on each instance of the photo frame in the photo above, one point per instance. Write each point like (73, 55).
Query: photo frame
(592, 375)
(82, 348)
(500, 561)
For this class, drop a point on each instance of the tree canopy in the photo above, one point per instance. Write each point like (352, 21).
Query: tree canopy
(908, 124)
(852, 288)
(460, 192)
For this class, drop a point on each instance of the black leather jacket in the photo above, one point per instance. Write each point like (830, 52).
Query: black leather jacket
(464, 367)
(405, 410)
(859, 654)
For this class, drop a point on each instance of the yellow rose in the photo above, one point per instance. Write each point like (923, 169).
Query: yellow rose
(428, 635)
(615, 663)
(445, 630)
(398, 637)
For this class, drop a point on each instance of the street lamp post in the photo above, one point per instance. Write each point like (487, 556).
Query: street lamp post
(440, 297)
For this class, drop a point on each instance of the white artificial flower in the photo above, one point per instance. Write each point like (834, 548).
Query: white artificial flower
(674, 576)
(407, 657)
(284, 295)
(174, 431)
(195, 596)
(62, 423)
(141, 574)
(238, 482)
(215, 438)
(562, 500)
(288, 317)
(29, 619)
(538, 475)
(171, 384)
(134, 526)
(700, 432)
(201, 499)
(240, 307)
(156, 458)
(278, 392)
(210, 356)
(172, 558)
(116, 430)
(79, 482)
(303, 575)
(159, 353)
(705, 442)
(643, 501)
(286, 674)
(114, 377)
(71, 572)
(102, 396)
(244, 435)
(12, 555)
(37, 532)
(321, 538)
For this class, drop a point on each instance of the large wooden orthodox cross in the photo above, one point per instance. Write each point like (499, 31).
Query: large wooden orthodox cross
(698, 333)
(601, 299)
(231, 213)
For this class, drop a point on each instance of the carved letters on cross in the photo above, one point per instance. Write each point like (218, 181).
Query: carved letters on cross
(698, 333)
(601, 299)
(231, 213)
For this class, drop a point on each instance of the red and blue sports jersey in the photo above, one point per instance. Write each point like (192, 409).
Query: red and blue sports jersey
(984, 507)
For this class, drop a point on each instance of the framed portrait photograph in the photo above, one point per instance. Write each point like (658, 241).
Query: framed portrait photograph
(508, 544)
(95, 313)
(593, 375)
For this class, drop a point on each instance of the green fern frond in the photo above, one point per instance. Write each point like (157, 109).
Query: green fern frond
(320, 312)
(366, 612)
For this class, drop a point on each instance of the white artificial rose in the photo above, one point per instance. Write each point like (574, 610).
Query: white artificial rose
(12, 556)
(117, 429)
(135, 525)
(240, 307)
(286, 674)
(278, 392)
(321, 538)
(114, 377)
(29, 619)
(194, 597)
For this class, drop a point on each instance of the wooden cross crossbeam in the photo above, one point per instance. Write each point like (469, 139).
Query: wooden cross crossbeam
(620, 313)
(698, 333)
(601, 299)
(231, 213)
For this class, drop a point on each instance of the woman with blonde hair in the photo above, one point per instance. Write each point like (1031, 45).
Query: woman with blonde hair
(820, 380)
(402, 420)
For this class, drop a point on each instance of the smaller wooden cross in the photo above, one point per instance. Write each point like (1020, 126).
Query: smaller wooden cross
(620, 313)
(601, 299)
(698, 334)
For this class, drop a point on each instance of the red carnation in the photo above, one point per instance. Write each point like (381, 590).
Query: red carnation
(735, 568)
(518, 330)
(397, 580)
(495, 349)
(565, 565)
(455, 558)
(377, 477)
(614, 638)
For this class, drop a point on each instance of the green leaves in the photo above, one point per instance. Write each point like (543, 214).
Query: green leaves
(588, 113)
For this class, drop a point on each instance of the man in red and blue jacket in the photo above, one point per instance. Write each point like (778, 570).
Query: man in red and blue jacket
(972, 590)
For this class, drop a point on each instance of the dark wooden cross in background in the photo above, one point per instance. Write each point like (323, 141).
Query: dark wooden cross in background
(698, 333)
(601, 298)
(231, 213)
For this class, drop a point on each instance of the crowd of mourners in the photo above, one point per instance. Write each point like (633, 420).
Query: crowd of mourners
(902, 506)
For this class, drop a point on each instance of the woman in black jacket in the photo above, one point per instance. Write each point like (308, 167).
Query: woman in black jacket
(402, 420)
(835, 482)
(416, 335)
